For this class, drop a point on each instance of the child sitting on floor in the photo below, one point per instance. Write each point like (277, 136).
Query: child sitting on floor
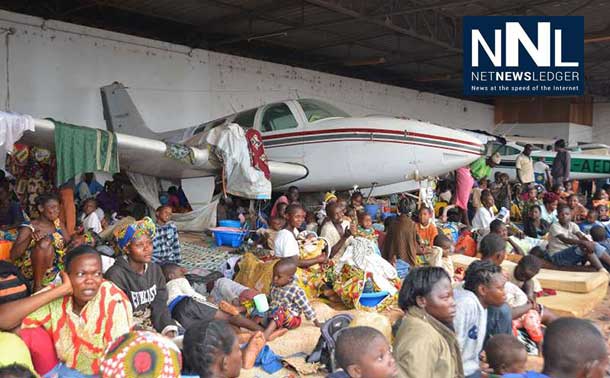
(287, 300)
(568, 246)
(365, 228)
(505, 355)
(363, 352)
(485, 214)
(603, 217)
(524, 276)
(211, 349)
(426, 229)
(91, 216)
(268, 235)
(311, 224)
(602, 246)
(589, 222)
(446, 246)
(573, 348)
(166, 246)
(188, 306)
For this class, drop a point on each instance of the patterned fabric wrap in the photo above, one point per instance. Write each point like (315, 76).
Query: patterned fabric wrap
(80, 339)
(366, 233)
(180, 152)
(283, 318)
(313, 278)
(125, 235)
(349, 285)
(142, 354)
(24, 262)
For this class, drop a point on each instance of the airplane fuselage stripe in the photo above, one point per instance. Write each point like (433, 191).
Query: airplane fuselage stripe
(370, 131)
(299, 141)
(373, 137)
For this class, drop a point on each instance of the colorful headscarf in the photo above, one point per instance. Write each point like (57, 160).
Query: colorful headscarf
(329, 196)
(141, 354)
(145, 226)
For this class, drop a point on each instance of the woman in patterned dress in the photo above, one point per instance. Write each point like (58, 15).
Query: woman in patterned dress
(40, 245)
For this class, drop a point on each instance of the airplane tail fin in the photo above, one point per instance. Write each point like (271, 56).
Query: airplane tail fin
(121, 114)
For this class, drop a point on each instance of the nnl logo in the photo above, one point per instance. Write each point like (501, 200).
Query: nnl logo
(515, 36)
(523, 56)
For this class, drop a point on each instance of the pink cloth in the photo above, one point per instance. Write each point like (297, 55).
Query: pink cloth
(464, 182)
(282, 199)
(42, 349)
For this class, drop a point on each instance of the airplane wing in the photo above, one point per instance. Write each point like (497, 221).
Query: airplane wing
(147, 156)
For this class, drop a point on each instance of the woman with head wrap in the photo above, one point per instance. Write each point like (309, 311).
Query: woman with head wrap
(142, 354)
(141, 279)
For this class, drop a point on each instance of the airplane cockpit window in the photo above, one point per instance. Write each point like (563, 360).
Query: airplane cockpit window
(246, 119)
(278, 117)
(316, 110)
(507, 150)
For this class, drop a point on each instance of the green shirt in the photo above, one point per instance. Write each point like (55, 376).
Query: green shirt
(479, 169)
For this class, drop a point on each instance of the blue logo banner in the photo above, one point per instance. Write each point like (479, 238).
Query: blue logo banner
(523, 55)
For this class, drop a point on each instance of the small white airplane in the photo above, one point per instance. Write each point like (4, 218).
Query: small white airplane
(308, 143)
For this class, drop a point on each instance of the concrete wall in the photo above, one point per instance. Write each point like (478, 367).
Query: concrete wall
(601, 122)
(56, 69)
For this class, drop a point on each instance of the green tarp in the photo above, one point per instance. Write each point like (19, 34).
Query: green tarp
(81, 149)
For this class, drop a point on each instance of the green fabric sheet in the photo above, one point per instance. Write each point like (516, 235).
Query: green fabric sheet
(81, 149)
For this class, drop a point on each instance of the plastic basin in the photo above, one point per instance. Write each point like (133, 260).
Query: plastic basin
(230, 237)
(229, 223)
(372, 299)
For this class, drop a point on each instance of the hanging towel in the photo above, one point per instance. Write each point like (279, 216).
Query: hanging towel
(12, 126)
(83, 149)
(229, 145)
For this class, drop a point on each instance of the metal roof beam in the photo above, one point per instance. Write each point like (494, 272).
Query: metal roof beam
(387, 23)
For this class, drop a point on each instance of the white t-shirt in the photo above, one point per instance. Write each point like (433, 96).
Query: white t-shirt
(515, 297)
(92, 222)
(510, 273)
(482, 218)
(286, 244)
(549, 217)
(555, 245)
(525, 165)
(470, 326)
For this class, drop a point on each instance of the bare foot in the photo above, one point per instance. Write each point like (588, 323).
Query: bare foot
(225, 306)
(251, 351)
(244, 337)
(277, 333)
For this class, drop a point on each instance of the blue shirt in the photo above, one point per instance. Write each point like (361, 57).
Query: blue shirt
(527, 374)
(586, 227)
(94, 188)
(166, 246)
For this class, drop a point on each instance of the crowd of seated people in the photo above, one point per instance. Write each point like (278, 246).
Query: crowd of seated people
(67, 313)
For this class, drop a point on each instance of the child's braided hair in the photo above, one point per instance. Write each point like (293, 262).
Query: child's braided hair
(203, 342)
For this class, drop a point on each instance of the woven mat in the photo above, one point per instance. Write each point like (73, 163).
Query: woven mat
(196, 256)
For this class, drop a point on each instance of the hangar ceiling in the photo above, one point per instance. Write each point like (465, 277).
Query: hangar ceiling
(409, 43)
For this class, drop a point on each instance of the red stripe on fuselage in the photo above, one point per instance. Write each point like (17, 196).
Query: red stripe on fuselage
(353, 130)
(377, 141)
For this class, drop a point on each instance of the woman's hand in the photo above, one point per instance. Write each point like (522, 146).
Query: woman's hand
(66, 284)
(322, 259)
(38, 235)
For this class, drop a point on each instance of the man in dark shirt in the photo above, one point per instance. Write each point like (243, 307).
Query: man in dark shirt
(561, 165)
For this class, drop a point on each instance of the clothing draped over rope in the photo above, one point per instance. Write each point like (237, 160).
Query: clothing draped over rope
(83, 149)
